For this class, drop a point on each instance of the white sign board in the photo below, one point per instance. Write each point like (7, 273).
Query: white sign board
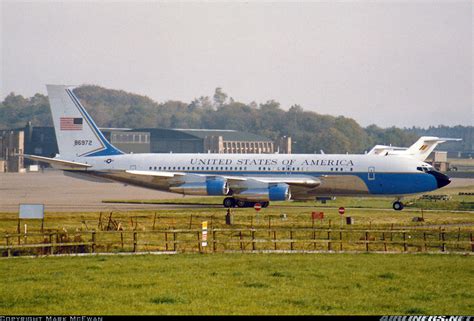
(31, 211)
(204, 234)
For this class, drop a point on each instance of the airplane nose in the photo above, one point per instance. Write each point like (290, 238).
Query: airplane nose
(441, 179)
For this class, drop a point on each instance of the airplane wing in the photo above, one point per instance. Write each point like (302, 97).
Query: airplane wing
(157, 174)
(309, 182)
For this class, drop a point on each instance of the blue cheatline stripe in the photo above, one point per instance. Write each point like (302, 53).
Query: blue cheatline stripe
(383, 184)
(108, 149)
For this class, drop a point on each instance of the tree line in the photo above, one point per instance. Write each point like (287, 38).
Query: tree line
(311, 132)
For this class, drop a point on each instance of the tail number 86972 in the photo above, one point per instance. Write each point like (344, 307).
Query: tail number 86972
(82, 142)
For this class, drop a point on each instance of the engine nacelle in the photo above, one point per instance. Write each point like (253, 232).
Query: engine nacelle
(277, 192)
(208, 187)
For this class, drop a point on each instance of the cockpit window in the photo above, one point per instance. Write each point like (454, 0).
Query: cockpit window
(424, 169)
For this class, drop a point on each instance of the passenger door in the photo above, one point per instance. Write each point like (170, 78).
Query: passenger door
(371, 173)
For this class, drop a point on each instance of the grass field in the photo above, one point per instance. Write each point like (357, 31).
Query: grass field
(240, 284)
(246, 284)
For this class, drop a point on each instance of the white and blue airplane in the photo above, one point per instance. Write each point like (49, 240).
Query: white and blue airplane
(242, 179)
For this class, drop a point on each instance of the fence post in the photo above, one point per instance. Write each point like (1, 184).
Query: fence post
(274, 239)
(135, 241)
(241, 244)
(175, 245)
(199, 242)
(269, 226)
(166, 241)
(214, 240)
(404, 241)
(314, 239)
(443, 245)
(424, 241)
(340, 239)
(384, 242)
(9, 251)
(93, 242)
(51, 242)
(253, 240)
(367, 241)
(154, 220)
(329, 238)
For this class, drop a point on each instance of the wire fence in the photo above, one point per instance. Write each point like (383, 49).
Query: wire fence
(249, 239)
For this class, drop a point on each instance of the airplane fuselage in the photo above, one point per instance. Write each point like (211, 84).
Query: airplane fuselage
(360, 174)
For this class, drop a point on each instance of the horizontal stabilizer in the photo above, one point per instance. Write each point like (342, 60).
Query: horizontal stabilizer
(59, 163)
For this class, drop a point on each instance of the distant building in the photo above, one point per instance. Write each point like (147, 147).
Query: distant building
(439, 160)
(159, 140)
(12, 144)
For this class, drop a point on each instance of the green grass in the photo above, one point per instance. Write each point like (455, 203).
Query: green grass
(239, 284)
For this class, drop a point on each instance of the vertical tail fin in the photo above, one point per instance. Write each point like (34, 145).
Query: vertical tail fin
(76, 132)
(423, 147)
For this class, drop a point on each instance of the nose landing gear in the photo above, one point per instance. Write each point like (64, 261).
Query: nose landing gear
(397, 205)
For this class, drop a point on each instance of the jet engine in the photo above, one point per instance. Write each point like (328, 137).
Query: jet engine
(212, 186)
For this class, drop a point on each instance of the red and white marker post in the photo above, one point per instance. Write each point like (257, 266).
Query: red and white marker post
(257, 206)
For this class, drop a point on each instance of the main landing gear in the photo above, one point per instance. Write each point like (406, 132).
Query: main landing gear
(397, 205)
(232, 202)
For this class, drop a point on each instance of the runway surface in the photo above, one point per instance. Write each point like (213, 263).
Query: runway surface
(60, 193)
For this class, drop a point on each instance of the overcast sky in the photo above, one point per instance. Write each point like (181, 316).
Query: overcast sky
(399, 63)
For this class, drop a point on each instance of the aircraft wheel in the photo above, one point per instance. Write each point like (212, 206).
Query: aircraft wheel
(397, 206)
(241, 203)
(229, 202)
